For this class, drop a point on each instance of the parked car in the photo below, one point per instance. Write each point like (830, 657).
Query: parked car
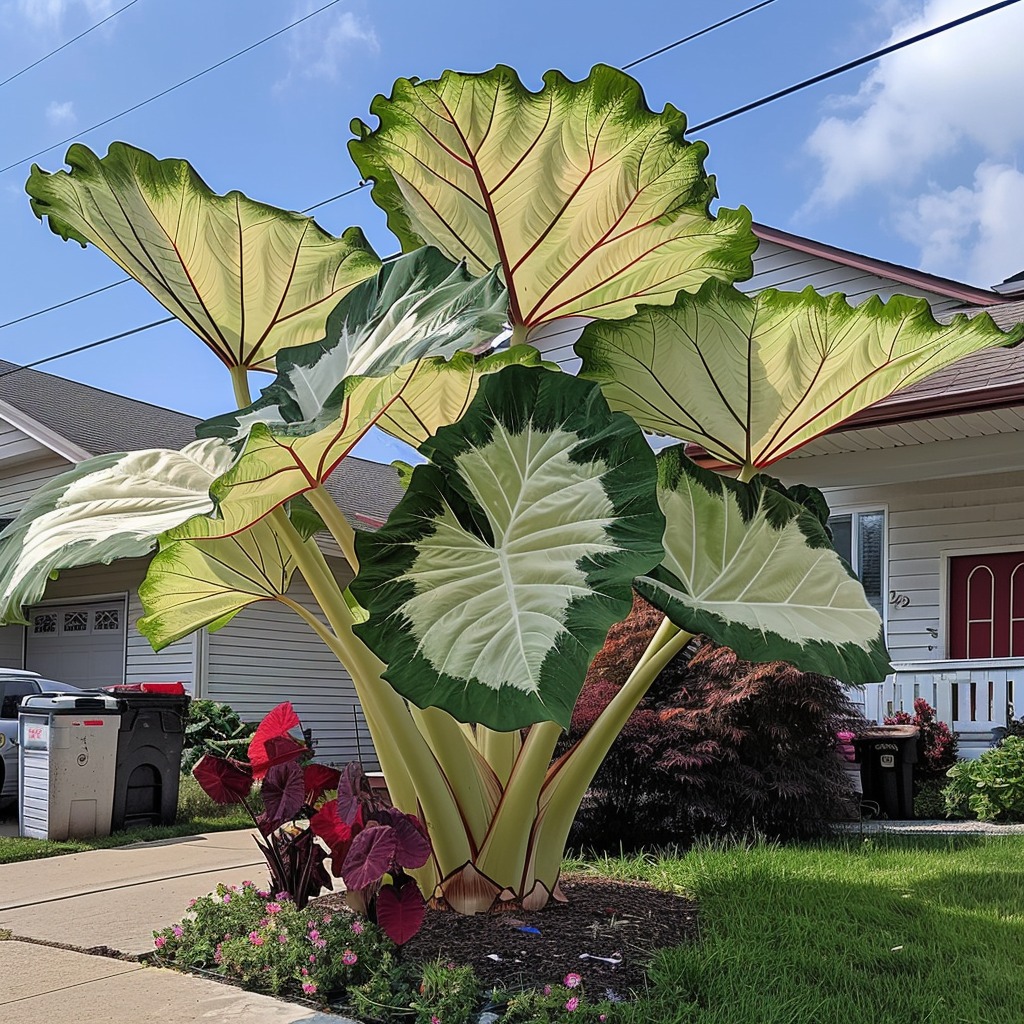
(14, 685)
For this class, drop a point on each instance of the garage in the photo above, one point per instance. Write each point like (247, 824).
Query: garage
(82, 643)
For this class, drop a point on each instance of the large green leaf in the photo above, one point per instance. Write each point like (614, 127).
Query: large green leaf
(113, 506)
(754, 570)
(249, 279)
(199, 579)
(753, 378)
(498, 575)
(379, 365)
(589, 200)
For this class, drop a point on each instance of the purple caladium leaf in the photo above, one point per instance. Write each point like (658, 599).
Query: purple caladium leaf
(400, 911)
(370, 856)
(412, 845)
(283, 792)
(223, 781)
(354, 793)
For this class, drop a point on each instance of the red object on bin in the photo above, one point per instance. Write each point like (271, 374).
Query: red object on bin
(175, 689)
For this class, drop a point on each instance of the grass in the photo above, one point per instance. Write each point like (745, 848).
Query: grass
(196, 813)
(887, 930)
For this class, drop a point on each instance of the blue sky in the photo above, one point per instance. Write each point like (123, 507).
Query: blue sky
(914, 159)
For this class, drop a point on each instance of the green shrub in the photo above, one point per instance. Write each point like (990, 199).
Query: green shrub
(195, 805)
(929, 799)
(215, 729)
(991, 788)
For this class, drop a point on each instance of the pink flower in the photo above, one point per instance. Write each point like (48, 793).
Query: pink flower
(227, 897)
(227, 936)
(159, 942)
(282, 939)
(177, 931)
(255, 938)
(602, 1017)
(572, 1004)
(309, 987)
(263, 894)
(320, 943)
(327, 918)
(312, 959)
(357, 927)
(305, 972)
(572, 980)
(435, 1020)
(264, 921)
(273, 908)
(547, 990)
(349, 958)
(314, 935)
(192, 902)
(246, 884)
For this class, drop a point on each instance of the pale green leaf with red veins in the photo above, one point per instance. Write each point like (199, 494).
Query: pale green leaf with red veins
(590, 202)
(106, 508)
(201, 579)
(753, 378)
(247, 278)
(379, 364)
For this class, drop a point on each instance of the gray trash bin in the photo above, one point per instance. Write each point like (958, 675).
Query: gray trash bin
(66, 762)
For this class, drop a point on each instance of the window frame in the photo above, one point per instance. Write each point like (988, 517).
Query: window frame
(854, 511)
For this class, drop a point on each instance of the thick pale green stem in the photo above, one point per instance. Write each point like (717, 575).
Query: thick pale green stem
(567, 784)
(500, 750)
(519, 333)
(503, 856)
(406, 760)
(475, 786)
(335, 521)
(240, 384)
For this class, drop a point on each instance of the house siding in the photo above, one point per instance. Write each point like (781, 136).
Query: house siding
(19, 482)
(267, 655)
(926, 521)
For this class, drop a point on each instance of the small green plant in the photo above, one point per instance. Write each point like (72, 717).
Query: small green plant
(556, 1004)
(387, 993)
(264, 941)
(992, 787)
(929, 801)
(214, 728)
(447, 993)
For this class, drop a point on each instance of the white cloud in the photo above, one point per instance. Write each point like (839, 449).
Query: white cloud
(961, 88)
(971, 233)
(50, 13)
(60, 113)
(320, 47)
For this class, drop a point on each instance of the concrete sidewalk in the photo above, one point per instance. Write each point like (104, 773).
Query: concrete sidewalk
(116, 899)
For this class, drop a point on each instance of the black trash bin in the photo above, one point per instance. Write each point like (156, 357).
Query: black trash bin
(148, 753)
(887, 755)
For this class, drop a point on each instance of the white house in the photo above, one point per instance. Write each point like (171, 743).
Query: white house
(83, 632)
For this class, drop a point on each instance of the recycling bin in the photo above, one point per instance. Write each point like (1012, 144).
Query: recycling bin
(887, 755)
(149, 744)
(66, 760)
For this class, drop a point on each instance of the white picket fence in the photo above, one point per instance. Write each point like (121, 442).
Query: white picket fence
(972, 697)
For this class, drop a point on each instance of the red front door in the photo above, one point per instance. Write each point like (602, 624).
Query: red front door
(986, 605)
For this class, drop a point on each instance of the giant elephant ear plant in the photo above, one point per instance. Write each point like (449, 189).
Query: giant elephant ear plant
(541, 508)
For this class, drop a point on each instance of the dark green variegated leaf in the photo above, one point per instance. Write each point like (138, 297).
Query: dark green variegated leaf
(201, 579)
(498, 575)
(590, 201)
(114, 506)
(247, 278)
(755, 572)
(753, 378)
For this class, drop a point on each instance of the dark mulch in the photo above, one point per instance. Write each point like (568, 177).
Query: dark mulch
(621, 921)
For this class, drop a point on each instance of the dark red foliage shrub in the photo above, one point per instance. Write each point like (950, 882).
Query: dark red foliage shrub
(718, 747)
(937, 747)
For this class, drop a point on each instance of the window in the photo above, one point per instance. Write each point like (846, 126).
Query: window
(107, 618)
(11, 693)
(76, 622)
(44, 622)
(860, 538)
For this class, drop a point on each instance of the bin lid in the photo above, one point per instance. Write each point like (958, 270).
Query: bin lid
(68, 703)
(889, 732)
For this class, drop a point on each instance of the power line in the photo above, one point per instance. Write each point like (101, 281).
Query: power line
(165, 92)
(696, 35)
(63, 46)
(850, 65)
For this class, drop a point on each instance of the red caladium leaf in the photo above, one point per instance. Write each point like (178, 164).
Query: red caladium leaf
(223, 781)
(354, 792)
(334, 832)
(370, 856)
(400, 910)
(283, 795)
(275, 750)
(318, 779)
(412, 848)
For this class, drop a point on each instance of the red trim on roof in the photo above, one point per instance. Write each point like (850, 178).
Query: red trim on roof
(904, 275)
(893, 410)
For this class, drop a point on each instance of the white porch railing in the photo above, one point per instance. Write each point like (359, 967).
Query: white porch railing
(972, 697)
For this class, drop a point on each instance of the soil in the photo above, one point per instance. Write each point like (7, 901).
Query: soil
(622, 922)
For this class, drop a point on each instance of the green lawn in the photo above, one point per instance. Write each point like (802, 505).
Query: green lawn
(870, 931)
(196, 814)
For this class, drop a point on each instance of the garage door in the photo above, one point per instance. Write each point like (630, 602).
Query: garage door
(81, 644)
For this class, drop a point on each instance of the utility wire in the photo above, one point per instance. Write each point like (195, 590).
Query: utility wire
(696, 35)
(63, 46)
(698, 127)
(165, 92)
(850, 65)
